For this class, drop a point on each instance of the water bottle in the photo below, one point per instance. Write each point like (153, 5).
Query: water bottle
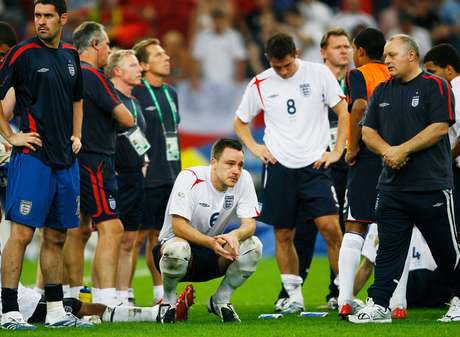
(85, 295)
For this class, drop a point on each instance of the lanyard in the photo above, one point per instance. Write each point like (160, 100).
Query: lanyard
(157, 105)
(134, 112)
(342, 84)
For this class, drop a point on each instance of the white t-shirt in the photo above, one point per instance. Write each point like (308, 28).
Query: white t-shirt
(295, 111)
(419, 253)
(218, 54)
(208, 210)
(454, 130)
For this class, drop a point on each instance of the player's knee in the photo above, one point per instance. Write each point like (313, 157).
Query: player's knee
(54, 237)
(284, 236)
(175, 259)
(250, 254)
(331, 234)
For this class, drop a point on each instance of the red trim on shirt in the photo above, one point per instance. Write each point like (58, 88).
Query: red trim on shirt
(103, 81)
(438, 81)
(21, 50)
(68, 46)
(257, 212)
(449, 105)
(257, 84)
(197, 180)
(32, 128)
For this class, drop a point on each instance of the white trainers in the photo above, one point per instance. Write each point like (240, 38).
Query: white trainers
(225, 311)
(281, 304)
(13, 320)
(69, 321)
(371, 313)
(292, 307)
(453, 314)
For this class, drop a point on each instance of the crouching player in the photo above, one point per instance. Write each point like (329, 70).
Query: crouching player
(192, 246)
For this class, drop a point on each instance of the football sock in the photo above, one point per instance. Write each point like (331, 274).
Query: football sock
(349, 257)
(293, 285)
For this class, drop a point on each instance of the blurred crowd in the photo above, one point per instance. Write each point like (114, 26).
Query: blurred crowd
(222, 41)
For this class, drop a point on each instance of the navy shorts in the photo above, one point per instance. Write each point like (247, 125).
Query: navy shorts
(203, 266)
(361, 188)
(296, 195)
(3, 184)
(38, 195)
(156, 200)
(130, 199)
(98, 186)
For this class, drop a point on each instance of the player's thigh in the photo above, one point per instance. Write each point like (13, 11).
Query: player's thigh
(279, 196)
(30, 190)
(98, 187)
(130, 199)
(361, 189)
(434, 217)
(316, 193)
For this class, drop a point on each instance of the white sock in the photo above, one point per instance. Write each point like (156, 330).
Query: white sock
(40, 291)
(65, 290)
(349, 257)
(398, 300)
(108, 296)
(130, 292)
(123, 295)
(130, 314)
(158, 293)
(293, 285)
(54, 311)
(95, 295)
(74, 292)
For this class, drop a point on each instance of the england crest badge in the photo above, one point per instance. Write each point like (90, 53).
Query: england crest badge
(71, 68)
(228, 201)
(305, 89)
(25, 206)
(415, 101)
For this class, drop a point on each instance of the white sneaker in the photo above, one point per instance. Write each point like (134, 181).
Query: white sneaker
(69, 321)
(13, 320)
(292, 307)
(225, 311)
(332, 303)
(371, 313)
(453, 314)
(281, 304)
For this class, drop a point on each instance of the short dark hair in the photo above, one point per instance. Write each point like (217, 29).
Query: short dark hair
(443, 55)
(60, 5)
(372, 41)
(86, 33)
(140, 49)
(279, 46)
(219, 146)
(7, 34)
(332, 32)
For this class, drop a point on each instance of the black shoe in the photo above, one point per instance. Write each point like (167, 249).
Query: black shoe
(166, 314)
(225, 311)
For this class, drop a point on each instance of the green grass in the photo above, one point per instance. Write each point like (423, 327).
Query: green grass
(256, 297)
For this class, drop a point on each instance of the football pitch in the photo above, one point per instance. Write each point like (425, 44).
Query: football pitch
(254, 298)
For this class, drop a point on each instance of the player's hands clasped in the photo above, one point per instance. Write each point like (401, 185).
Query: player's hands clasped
(395, 157)
(29, 140)
(227, 246)
(327, 159)
(263, 153)
(76, 144)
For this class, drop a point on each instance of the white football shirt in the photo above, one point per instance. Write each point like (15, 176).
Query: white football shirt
(295, 111)
(194, 198)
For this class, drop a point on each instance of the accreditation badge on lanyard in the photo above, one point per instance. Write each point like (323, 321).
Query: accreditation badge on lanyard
(172, 146)
(137, 140)
(171, 138)
(136, 137)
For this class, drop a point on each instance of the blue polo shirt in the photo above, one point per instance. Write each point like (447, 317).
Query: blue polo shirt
(47, 81)
(399, 111)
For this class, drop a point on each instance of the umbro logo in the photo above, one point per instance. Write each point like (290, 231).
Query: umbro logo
(203, 204)
(150, 108)
(438, 204)
(273, 96)
(43, 70)
(384, 104)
